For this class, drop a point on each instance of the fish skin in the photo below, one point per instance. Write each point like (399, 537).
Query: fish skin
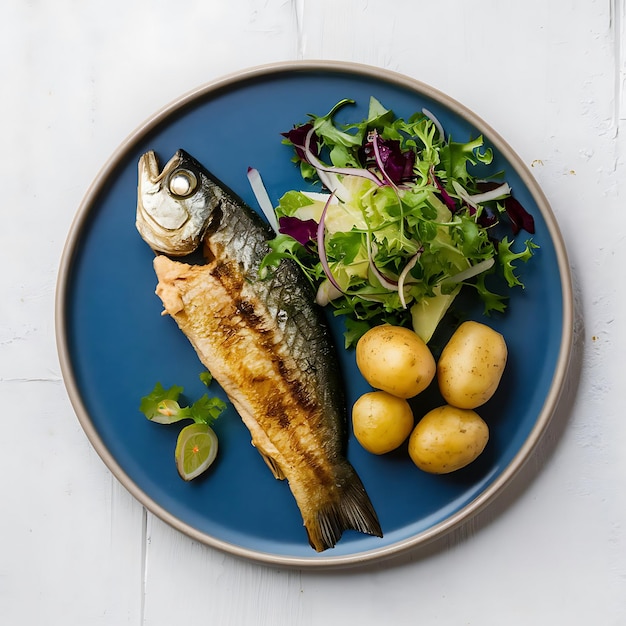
(267, 344)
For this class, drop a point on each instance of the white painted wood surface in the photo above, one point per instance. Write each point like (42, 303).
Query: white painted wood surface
(77, 77)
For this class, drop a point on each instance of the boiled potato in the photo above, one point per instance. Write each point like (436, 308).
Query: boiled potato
(381, 422)
(394, 359)
(447, 439)
(471, 365)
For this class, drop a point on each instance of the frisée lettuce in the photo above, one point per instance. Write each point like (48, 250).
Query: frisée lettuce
(402, 219)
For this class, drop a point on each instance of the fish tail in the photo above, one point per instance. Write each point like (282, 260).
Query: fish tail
(350, 509)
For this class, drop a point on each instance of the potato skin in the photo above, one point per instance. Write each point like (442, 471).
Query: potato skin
(447, 439)
(396, 360)
(471, 365)
(381, 422)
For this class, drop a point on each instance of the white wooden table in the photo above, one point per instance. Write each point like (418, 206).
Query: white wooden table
(77, 78)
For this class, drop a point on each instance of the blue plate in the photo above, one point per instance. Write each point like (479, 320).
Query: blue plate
(114, 344)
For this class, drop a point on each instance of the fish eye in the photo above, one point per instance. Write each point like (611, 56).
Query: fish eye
(182, 183)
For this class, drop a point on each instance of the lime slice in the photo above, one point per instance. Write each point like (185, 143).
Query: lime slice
(196, 449)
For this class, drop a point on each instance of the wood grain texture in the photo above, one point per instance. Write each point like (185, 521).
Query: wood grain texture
(75, 547)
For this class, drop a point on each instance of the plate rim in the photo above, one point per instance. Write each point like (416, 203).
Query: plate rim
(453, 521)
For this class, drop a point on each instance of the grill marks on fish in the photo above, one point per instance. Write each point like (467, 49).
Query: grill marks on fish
(247, 316)
(267, 345)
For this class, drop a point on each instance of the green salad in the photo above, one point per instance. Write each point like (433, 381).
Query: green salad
(402, 219)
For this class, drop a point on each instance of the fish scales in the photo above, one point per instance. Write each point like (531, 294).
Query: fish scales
(242, 236)
(267, 344)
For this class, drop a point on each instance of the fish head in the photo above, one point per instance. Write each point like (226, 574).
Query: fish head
(173, 204)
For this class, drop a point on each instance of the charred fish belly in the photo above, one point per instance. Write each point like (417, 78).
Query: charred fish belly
(264, 340)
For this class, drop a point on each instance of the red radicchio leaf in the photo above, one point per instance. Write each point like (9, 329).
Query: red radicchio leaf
(486, 185)
(398, 165)
(445, 196)
(520, 218)
(303, 231)
(487, 218)
(298, 135)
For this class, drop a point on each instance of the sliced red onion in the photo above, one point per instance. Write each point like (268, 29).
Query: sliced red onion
(384, 281)
(262, 197)
(326, 292)
(402, 278)
(478, 198)
(321, 246)
(323, 169)
(373, 137)
(379, 162)
(493, 194)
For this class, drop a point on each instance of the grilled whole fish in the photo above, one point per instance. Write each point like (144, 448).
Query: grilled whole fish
(264, 340)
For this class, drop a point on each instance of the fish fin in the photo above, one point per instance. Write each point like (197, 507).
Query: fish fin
(270, 461)
(274, 467)
(351, 509)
